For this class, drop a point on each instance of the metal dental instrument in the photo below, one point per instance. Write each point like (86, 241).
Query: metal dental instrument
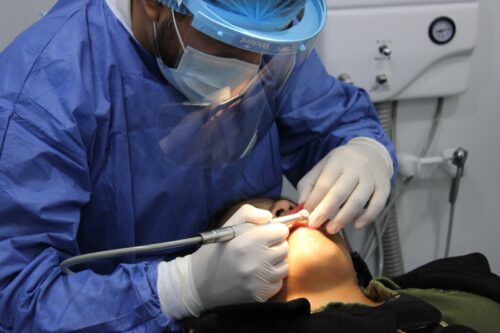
(302, 215)
(218, 235)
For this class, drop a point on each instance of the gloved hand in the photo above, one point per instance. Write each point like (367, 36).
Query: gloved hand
(341, 184)
(250, 267)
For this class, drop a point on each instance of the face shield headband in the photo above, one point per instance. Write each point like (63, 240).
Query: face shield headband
(261, 26)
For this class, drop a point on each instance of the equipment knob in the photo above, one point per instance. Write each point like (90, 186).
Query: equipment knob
(346, 78)
(382, 79)
(385, 50)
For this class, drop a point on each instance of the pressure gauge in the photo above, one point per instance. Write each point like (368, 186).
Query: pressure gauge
(442, 30)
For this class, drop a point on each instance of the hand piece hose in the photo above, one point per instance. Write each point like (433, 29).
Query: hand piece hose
(218, 235)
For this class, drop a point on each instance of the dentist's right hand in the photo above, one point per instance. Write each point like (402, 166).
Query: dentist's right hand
(248, 268)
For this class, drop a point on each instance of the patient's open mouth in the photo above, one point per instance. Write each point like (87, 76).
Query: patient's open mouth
(297, 224)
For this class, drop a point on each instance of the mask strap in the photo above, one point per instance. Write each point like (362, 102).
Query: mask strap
(156, 40)
(177, 30)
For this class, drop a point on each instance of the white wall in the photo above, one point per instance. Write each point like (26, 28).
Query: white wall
(16, 15)
(471, 120)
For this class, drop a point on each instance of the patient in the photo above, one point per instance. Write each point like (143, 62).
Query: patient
(321, 273)
(320, 265)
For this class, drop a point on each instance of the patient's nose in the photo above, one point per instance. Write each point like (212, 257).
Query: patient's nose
(282, 208)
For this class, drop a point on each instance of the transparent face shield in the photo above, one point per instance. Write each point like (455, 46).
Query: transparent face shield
(228, 96)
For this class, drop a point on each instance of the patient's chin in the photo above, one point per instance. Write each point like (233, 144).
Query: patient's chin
(311, 252)
(309, 241)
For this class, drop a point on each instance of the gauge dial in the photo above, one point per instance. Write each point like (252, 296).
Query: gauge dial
(442, 30)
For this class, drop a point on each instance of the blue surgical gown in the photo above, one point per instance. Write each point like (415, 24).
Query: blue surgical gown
(79, 169)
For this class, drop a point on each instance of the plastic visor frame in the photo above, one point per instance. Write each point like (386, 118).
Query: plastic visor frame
(298, 38)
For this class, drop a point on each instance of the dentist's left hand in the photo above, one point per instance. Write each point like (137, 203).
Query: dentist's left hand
(337, 189)
(249, 268)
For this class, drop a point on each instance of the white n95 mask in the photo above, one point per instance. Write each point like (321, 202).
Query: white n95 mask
(202, 77)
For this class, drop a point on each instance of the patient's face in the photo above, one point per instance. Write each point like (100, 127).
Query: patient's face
(312, 252)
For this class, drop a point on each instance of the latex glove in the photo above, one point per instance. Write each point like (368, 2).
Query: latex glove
(250, 267)
(341, 184)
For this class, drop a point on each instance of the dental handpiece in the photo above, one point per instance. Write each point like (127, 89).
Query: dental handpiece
(219, 235)
(225, 234)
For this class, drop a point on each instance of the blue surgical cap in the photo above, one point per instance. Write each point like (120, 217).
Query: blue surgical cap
(268, 15)
(175, 5)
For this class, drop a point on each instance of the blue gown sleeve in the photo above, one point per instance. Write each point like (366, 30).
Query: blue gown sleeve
(44, 181)
(317, 113)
